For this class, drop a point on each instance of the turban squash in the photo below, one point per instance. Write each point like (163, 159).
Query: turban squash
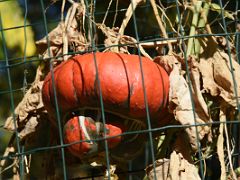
(120, 77)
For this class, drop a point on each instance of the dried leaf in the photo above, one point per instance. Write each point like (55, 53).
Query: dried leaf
(199, 103)
(209, 85)
(54, 38)
(179, 166)
(217, 77)
(162, 169)
(112, 175)
(28, 109)
(69, 33)
(180, 102)
(115, 42)
(29, 128)
(167, 62)
(222, 72)
(112, 40)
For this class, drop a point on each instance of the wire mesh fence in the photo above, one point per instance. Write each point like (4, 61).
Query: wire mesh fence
(119, 89)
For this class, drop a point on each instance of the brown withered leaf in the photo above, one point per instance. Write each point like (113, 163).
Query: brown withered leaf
(223, 76)
(115, 42)
(70, 33)
(180, 102)
(29, 127)
(111, 174)
(112, 40)
(54, 38)
(27, 110)
(180, 164)
(217, 76)
(162, 169)
(180, 168)
(200, 105)
(209, 85)
(167, 62)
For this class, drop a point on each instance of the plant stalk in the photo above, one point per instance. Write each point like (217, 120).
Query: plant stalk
(195, 19)
(161, 26)
(201, 24)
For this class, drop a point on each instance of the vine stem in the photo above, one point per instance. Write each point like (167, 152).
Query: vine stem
(128, 15)
(161, 26)
(203, 23)
(196, 11)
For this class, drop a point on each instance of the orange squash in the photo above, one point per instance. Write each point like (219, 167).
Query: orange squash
(121, 85)
(77, 89)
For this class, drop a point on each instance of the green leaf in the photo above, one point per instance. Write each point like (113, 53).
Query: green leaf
(227, 14)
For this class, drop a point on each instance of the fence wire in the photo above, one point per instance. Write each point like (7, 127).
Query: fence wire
(14, 87)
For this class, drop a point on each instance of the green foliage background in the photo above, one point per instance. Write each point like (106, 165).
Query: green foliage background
(19, 42)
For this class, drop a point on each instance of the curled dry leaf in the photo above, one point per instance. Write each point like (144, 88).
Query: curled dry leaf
(179, 166)
(27, 111)
(73, 28)
(209, 85)
(162, 169)
(112, 40)
(217, 77)
(200, 105)
(167, 62)
(180, 102)
(30, 112)
(54, 38)
(29, 127)
(115, 42)
(181, 105)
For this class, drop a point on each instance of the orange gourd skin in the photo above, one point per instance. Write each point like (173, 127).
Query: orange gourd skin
(121, 87)
(73, 132)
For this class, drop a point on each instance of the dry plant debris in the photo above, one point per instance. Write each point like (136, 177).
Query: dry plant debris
(218, 77)
(178, 166)
(180, 100)
(216, 72)
(28, 111)
(70, 33)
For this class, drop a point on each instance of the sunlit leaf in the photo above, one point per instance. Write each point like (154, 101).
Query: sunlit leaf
(217, 8)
